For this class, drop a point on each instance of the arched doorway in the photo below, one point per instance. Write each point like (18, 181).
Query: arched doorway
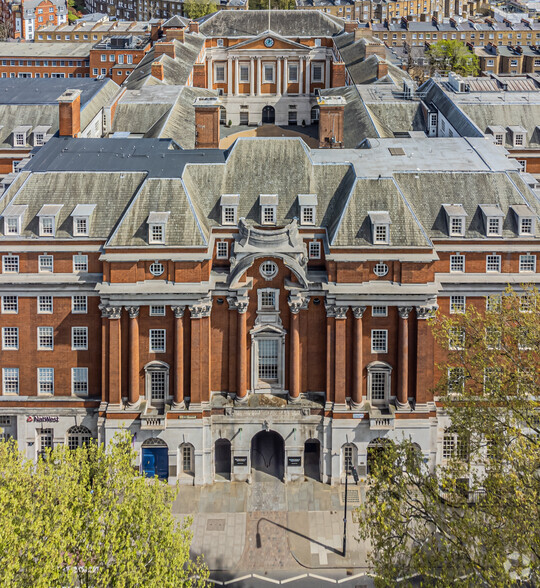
(155, 459)
(269, 115)
(315, 111)
(267, 456)
(222, 457)
(312, 459)
(375, 448)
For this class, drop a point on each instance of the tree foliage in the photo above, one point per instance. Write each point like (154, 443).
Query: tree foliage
(453, 55)
(85, 518)
(274, 4)
(475, 519)
(199, 8)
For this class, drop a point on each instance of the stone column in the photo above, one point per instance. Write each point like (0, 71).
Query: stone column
(340, 355)
(294, 350)
(278, 85)
(252, 77)
(327, 73)
(236, 76)
(424, 353)
(229, 78)
(115, 355)
(133, 393)
(330, 320)
(199, 352)
(259, 75)
(308, 76)
(209, 73)
(104, 352)
(403, 357)
(178, 393)
(241, 380)
(285, 75)
(358, 361)
(301, 76)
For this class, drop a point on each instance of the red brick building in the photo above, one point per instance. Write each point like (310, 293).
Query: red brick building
(217, 307)
(24, 18)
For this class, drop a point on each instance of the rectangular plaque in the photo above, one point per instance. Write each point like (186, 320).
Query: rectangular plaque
(294, 461)
(358, 415)
(240, 460)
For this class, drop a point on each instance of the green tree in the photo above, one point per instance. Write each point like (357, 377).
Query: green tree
(453, 55)
(475, 519)
(199, 8)
(86, 518)
(274, 4)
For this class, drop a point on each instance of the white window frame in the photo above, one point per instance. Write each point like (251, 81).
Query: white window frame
(528, 221)
(493, 261)
(47, 226)
(378, 237)
(222, 250)
(383, 372)
(45, 338)
(451, 381)
(244, 69)
(454, 230)
(292, 67)
(493, 226)
(157, 310)
(527, 263)
(40, 302)
(45, 375)
(229, 215)
(261, 305)
(457, 261)
(10, 264)
(79, 338)
(458, 304)
(153, 334)
(379, 336)
(77, 231)
(9, 229)
(79, 375)
(314, 249)
(317, 79)
(379, 311)
(307, 215)
(6, 304)
(10, 334)
(76, 306)
(10, 376)
(156, 233)
(149, 369)
(268, 66)
(456, 338)
(220, 67)
(42, 266)
(268, 214)
(80, 260)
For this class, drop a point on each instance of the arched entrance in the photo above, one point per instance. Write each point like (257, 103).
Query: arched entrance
(222, 457)
(374, 449)
(267, 456)
(312, 459)
(269, 115)
(155, 459)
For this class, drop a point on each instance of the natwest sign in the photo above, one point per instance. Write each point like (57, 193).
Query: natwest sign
(42, 419)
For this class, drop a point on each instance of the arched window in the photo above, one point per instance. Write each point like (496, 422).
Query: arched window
(455, 446)
(379, 383)
(156, 383)
(315, 115)
(77, 437)
(349, 457)
(222, 115)
(187, 459)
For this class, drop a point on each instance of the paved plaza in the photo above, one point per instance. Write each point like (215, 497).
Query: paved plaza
(272, 526)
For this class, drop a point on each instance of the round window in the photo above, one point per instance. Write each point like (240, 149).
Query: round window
(381, 269)
(156, 269)
(268, 270)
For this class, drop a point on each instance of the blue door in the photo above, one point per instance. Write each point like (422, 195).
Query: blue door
(155, 462)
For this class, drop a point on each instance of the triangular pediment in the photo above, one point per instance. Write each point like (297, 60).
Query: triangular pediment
(269, 40)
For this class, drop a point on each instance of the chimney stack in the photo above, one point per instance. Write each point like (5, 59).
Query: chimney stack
(382, 69)
(157, 70)
(70, 113)
(338, 74)
(331, 115)
(193, 26)
(207, 123)
(165, 49)
(350, 26)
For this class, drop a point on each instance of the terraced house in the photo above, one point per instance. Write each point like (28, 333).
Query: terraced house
(263, 306)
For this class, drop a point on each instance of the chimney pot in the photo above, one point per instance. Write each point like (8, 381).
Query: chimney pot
(69, 114)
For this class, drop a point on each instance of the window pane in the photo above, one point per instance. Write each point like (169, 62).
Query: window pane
(268, 360)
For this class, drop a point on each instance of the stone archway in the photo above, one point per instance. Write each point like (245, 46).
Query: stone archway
(269, 115)
(312, 459)
(155, 458)
(267, 456)
(222, 459)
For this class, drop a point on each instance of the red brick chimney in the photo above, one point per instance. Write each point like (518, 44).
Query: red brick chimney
(350, 26)
(199, 75)
(207, 123)
(165, 49)
(338, 74)
(157, 70)
(69, 115)
(193, 26)
(331, 115)
(177, 34)
(382, 69)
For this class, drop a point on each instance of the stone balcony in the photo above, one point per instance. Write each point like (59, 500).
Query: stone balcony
(154, 419)
(382, 419)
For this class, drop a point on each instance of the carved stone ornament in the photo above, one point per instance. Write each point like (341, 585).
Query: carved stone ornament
(111, 312)
(358, 311)
(133, 311)
(298, 302)
(341, 312)
(104, 310)
(200, 310)
(330, 310)
(178, 311)
(404, 311)
(426, 312)
(239, 304)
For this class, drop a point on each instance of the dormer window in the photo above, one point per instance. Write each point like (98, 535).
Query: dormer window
(13, 217)
(157, 222)
(498, 133)
(380, 227)
(20, 136)
(268, 204)
(229, 208)
(518, 136)
(525, 220)
(40, 135)
(308, 208)
(47, 219)
(81, 219)
(493, 219)
(455, 216)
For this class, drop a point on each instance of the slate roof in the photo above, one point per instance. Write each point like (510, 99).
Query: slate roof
(288, 23)
(43, 50)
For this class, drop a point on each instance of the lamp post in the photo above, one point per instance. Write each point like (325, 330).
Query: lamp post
(348, 468)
